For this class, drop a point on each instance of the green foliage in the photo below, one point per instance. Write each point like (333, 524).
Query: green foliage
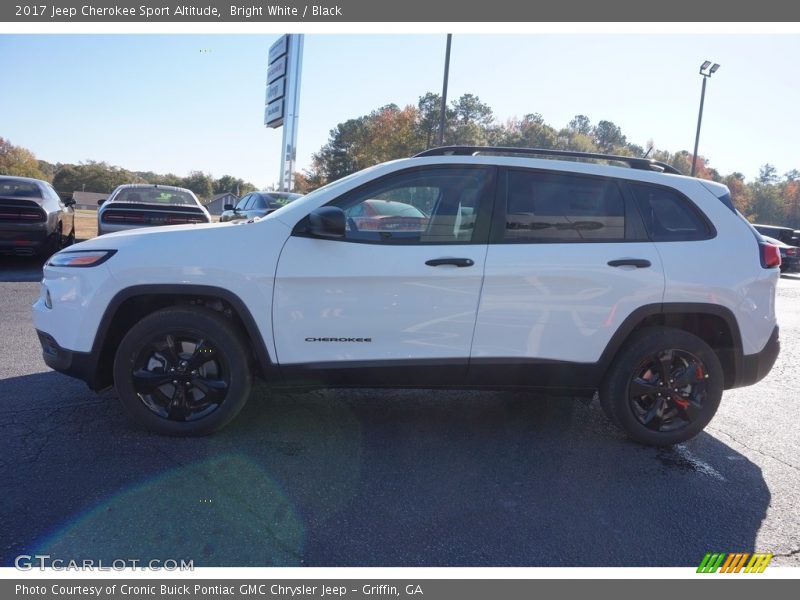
(92, 176)
(18, 161)
(391, 132)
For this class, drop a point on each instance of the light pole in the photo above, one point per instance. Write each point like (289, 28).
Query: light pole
(444, 90)
(706, 70)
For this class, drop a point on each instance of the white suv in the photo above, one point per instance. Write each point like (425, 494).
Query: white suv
(461, 267)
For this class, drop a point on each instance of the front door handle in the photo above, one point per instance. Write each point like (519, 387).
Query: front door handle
(639, 263)
(459, 262)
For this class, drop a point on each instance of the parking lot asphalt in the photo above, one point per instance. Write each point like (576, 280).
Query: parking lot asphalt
(400, 478)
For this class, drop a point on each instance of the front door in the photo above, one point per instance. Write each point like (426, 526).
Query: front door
(398, 295)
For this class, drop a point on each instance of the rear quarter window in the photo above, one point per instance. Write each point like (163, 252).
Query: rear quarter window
(668, 215)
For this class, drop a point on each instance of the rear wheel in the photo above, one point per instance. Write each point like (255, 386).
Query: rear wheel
(664, 387)
(52, 244)
(182, 371)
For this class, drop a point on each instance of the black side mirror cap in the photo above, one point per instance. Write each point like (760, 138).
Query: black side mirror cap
(327, 222)
(100, 202)
(227, 207)
(70, 202)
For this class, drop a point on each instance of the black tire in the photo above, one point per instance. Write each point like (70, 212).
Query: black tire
(70, 238)
(656, 362)
(52, 244)
(206, 357)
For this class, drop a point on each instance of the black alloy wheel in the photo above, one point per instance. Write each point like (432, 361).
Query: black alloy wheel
(664, 386)
(667, 390)
(183, 370)
(180, 376)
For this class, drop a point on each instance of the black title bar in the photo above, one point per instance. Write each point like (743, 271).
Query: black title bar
(454, 11)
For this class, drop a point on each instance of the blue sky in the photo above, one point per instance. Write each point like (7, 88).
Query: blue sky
(174, 103)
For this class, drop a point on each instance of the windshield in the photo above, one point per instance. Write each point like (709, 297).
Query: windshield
(155, 196)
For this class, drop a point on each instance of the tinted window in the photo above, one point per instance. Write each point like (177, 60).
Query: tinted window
(279, 200)
(436, 205)
(19, 189)
(259, 203)
(242, 204)
(669, 216)
(559, 207)
(154, 196)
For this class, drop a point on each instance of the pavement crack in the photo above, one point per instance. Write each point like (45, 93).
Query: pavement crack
(757, 450)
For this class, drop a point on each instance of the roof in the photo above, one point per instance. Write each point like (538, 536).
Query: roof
(174, 188)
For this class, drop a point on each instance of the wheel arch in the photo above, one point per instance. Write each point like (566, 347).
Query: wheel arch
(131, 304)
(714, 324)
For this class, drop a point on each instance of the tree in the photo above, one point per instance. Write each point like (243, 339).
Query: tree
(234, 185)
(18, 161)
(469, 108)
(200, 183)
(429, 113)
(608, 136)
(92, 176)
(767, 174)
(580, 124)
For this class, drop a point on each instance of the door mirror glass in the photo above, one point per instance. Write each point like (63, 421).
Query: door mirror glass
(327, 221)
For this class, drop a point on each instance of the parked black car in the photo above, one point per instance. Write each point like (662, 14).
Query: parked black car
(784, 234)
(33, 218)
(790, 255)
(257, 204)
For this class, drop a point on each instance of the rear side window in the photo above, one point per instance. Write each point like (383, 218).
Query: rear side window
(668, 215)
(561, 207)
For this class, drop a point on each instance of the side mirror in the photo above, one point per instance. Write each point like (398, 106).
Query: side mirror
(69, 202)
(327, 221)
(227, 207)
(100, 202)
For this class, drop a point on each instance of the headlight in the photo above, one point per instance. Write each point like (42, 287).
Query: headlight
(80, 258)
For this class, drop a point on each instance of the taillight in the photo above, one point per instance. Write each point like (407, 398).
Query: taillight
(122, 217)
(22, 214)
(770, 256)
(184, 220)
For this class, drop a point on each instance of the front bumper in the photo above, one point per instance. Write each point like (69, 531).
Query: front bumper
(754, 367)
(81, 365)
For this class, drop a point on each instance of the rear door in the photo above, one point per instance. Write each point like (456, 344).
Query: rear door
(568, 261)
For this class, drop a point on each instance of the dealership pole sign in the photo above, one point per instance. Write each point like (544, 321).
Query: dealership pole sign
(283, 99)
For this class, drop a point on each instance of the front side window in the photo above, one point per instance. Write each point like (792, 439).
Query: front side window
(432, 205)
(555, 207)
(258, 203)
(242, 204)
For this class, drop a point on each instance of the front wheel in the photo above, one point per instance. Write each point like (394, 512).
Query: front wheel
(664, 387)
(182, 371)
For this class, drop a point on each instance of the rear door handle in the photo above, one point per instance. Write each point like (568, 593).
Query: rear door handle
(639, 263)
(459, 262)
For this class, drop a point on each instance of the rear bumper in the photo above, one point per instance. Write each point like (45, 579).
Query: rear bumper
(22, 239)
(81, 365)
(754, 367)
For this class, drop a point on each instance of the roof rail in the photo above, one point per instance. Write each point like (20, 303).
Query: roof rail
(644, 164)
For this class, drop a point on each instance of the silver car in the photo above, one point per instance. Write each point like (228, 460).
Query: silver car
(146, 205)
(34, 220)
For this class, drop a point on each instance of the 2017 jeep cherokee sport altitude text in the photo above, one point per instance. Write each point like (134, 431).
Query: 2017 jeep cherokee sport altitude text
(481, 270)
